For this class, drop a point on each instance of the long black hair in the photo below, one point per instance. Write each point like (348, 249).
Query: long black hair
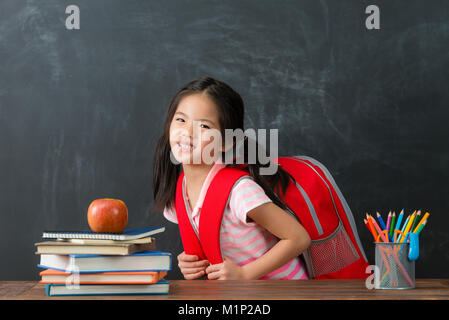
(231, 116)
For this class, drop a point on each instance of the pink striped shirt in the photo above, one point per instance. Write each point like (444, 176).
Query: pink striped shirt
(241, 240)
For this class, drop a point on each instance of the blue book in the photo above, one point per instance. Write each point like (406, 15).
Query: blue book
(127, 234)
(149, 260)
(161, 287)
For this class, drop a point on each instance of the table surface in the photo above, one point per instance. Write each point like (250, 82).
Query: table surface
(425, 289)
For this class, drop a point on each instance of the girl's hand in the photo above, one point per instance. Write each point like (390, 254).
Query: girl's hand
(191, 267)
(227, 270)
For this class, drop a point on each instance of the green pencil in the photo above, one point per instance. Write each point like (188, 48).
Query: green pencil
(421, 227)
(393, 221)
(416, 220)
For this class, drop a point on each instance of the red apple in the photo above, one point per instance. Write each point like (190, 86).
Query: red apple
(107, 216)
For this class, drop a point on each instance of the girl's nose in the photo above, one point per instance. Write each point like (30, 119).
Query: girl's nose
(189, 131)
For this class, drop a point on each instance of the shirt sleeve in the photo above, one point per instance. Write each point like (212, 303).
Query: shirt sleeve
(170, 214)
(245, 196)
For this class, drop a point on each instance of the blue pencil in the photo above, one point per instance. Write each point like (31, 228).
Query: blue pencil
(398, 223)
(381, 221)
(403, 228)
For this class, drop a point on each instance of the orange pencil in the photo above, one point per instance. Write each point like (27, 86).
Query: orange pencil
(371, 230)
(370, 223)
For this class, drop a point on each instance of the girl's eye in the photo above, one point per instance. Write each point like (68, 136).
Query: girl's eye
(205, 126)
(179, 119)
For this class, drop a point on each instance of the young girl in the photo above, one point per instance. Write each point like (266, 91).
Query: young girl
(258, 238)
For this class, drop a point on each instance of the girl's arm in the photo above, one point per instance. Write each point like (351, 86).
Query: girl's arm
(294, 240)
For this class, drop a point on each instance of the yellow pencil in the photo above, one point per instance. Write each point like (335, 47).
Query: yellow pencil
(422, 220)
(409, 225)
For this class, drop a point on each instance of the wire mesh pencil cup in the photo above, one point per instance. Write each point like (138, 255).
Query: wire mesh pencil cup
(395, 269)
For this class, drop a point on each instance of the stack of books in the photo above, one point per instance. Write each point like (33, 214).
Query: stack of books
(88, 263)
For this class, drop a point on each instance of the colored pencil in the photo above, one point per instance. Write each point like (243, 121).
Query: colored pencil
(370, 223)
(421, 222)
(398, 223)
(388, 225)
(405, 223)
(418, 215)
(409, 225)
(370, 229)
(393, 220)
(379, 231)
(421, 227)
(403, 228)
(408, 219)
(381, 221)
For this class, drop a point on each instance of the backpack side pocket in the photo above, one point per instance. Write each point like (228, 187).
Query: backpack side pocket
(330, 254)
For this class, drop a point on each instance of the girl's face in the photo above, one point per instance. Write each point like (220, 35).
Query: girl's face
(195, 133)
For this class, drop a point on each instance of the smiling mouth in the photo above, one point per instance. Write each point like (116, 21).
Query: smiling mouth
(185, 147)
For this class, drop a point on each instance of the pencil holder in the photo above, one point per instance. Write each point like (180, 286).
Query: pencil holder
(395, 269)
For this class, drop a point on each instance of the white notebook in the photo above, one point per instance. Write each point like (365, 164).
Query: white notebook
(128, 234)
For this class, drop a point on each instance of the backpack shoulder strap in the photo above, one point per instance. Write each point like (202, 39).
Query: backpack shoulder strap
(215, 201)
(189, 236)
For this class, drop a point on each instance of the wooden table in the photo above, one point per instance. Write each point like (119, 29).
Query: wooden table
(426, 289)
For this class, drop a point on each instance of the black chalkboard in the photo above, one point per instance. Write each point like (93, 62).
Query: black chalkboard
(81, 110)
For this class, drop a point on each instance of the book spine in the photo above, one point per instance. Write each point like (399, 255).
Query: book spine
(47, 289)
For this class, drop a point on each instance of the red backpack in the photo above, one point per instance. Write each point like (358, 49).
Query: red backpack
(335, 251)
